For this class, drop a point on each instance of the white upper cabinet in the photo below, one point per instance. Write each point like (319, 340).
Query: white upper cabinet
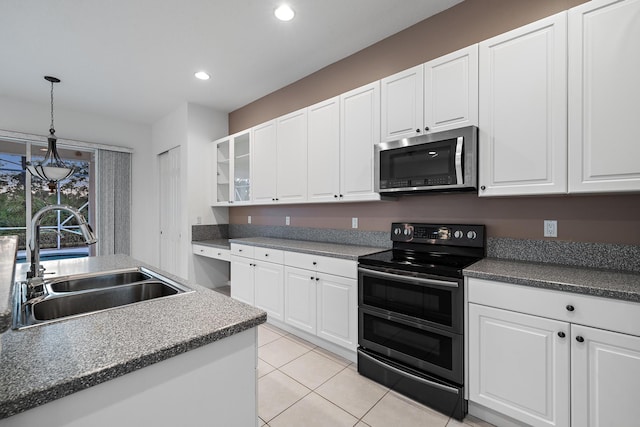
(439, 95)
(403, 103)
(292, 157)
(604, 61)
(451, 90)
(359, 131)
(264, 162)
(523, 110)
(323, 149)
(233, 169)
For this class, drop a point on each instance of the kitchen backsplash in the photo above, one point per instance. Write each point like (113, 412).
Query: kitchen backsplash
(580, 254)
(209, 232)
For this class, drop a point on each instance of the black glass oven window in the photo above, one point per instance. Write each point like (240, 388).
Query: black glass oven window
(420, 344)
(419, 161)
(426, 303)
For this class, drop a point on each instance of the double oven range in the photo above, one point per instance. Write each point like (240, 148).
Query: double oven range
(411, 312)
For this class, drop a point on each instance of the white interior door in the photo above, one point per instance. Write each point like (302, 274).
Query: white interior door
(170, 211)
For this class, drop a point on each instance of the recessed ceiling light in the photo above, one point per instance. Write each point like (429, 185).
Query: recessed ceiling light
(202, 75)
(284, 13)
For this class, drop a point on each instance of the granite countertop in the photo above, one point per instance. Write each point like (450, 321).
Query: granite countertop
(43, 363)
(216, 243)
(596, 282)
(333, 250)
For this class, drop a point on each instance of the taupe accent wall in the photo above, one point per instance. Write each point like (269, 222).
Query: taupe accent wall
(603, 218)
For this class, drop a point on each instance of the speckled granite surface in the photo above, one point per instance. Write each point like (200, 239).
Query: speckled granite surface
(209, 232)
(216, 243)
(333, 250)
(595, 255)
(589, 281)
(351, 237)
(8, 246)
(47, 362)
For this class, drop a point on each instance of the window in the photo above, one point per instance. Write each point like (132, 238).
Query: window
(59, 235)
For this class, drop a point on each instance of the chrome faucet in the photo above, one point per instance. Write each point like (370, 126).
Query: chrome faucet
(36, 272)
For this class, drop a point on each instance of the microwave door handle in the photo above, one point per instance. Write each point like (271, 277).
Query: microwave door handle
(403, 278)
(459, 145)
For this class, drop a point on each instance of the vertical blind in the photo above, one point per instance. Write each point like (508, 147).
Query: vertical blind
(113, 196)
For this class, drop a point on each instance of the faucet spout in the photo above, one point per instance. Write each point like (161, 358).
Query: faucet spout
(36, 271)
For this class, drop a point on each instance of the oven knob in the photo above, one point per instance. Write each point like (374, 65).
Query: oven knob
(407, 231)
(472, 235)
(396, 231)
(458, 234)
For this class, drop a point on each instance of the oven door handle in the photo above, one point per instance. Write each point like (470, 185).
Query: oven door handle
(408, 278)
(407, 374)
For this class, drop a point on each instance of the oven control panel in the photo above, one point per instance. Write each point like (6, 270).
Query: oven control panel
(442, 234)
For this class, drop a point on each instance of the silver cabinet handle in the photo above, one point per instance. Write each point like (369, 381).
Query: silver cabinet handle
(403, 278)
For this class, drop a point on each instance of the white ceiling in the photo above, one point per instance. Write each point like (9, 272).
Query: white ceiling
(135, 59)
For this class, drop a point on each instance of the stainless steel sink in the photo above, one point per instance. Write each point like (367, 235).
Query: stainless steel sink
(71, 296)
(96, 281)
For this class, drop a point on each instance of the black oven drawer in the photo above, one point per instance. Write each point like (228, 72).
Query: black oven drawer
(439, 395)
(416, 345)
(438, 301)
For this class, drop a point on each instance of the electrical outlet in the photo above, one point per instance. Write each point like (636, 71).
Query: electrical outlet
(198, 220)
(354, 222)
(248, 219)
(550, 228)
(287, 220)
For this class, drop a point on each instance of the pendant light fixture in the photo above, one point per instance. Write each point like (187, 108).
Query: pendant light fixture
(51, 169)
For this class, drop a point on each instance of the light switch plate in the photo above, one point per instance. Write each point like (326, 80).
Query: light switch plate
(287, 220)
(248, 219)
(550, 228)
(354, 222)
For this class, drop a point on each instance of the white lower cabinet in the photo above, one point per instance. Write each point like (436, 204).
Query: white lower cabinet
(519, 365)
(313, 294)
(300, 299)
(337, 310)
(257, 282)
(605, 378)
(550, 358)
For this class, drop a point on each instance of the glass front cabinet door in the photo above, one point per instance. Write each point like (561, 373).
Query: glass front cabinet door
(233, 169)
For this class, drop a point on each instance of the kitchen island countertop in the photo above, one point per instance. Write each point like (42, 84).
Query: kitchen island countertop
(44, 363)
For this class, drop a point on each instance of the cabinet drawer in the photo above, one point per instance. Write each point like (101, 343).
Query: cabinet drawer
(211, 252)
(269, 255)
(322, 264)
(604, 313)
(242, 250)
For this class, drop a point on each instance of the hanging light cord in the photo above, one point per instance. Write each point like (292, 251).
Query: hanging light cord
(51, 129)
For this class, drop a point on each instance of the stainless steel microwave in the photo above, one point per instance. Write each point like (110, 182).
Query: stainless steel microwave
(442, 161)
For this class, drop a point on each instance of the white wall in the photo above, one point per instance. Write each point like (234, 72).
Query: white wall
(192, 127)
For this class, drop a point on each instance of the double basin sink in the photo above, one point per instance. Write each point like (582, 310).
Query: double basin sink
(71, 296)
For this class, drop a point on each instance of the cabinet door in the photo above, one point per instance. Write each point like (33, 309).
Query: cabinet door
(451, 90)
(300, 299)
(292, 157)
(241, 168)
(604, 59)
(269, 288)
(519, 365)
(264, 162)
(242, 279)
(337, 310)
(359, 131)
(605, 369)
(223, 170)
(402, 104)
(523, 110)
(323, 145)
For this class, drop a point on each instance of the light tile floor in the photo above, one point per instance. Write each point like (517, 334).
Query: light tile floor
(300, 384)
